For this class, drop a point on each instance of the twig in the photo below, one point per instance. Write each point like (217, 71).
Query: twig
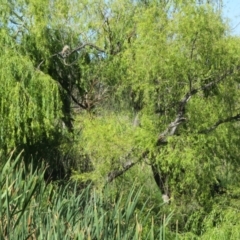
(219, 122)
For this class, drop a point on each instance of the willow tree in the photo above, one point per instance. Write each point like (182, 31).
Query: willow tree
(38, 83)
(29, 99)
(154, 84)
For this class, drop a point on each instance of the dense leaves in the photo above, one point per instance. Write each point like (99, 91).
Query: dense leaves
(147, 92)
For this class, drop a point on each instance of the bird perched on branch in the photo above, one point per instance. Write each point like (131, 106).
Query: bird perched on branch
(65, 51)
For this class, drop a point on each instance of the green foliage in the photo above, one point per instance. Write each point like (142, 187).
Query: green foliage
(109, 138)
(29, 100)
(140, 58)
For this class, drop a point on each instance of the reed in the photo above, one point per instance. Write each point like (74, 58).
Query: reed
(32, 209)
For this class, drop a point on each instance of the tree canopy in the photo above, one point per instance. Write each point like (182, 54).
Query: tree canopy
(146, 91)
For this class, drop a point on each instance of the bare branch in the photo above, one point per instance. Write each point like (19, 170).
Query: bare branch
(126, 166)
(71, 52)
(73, 98)
(39, 65)
(172, 127)
(116, 173)
(84, 45)
(14, 22)
(219, 122)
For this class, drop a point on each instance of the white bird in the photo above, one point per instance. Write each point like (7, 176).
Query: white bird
(65, 51)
